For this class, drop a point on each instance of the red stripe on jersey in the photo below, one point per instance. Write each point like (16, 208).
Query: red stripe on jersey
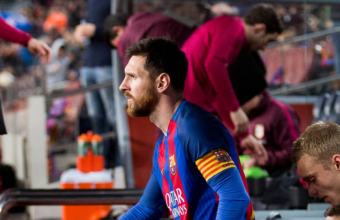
(161, 163)
(182, 203)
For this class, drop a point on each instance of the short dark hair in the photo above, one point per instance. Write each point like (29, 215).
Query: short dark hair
(113, 20)
(162, 56)
(332, 211)
(320, 140)
(265, 14)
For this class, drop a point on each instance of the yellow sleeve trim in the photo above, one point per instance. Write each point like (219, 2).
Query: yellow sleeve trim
(218, 171)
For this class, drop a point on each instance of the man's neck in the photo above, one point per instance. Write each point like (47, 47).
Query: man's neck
(164, 111)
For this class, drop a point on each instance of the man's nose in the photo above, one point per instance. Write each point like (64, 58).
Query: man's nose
(312, 191)
(122, 86)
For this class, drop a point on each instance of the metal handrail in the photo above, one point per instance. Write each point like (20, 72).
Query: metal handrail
(305, 37)
(16, 197)
(81, 90)
(303, 86)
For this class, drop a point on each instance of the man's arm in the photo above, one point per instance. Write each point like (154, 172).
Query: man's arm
(233, 198)
(11, 34)
(227, 183)
(232, 114)
(226, 103)
(151, 204)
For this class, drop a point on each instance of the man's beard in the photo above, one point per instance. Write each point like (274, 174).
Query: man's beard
(144, 106)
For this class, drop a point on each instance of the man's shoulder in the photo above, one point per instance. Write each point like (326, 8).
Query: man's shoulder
(140, 17)
(194, 120)
(222, 20)
(194, 114)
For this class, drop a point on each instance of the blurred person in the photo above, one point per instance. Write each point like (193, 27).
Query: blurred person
(275, 125)
(317, 155)
(56, 21)
(56, 70)
(11, 60)
(97, 69)
(8, 178)
(73, 13)
(74, 102)
(332, 213)
(35, 46)
(195, 158)
(214, 46)
(122, 31)
(223, 8)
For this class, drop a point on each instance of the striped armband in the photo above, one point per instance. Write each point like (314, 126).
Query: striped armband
(214, 162)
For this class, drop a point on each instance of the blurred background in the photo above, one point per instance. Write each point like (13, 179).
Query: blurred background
(44, 105)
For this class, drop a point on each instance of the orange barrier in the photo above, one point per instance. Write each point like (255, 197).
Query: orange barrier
(90, 174)
(90, 212)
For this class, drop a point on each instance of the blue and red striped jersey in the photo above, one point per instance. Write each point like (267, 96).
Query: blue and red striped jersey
(197, 153)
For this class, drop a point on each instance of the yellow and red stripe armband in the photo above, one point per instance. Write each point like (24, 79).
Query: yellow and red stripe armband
(214, 162)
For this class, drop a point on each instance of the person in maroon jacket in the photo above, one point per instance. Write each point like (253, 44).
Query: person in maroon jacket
(11, 34)
(122, 31)
(276, 125)
(211, 49)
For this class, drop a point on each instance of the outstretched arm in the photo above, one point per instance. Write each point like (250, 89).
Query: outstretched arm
(40, 49)
(11, 34)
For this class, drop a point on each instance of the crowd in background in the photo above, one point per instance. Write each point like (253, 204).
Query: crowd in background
(57, 19)
(54, 22)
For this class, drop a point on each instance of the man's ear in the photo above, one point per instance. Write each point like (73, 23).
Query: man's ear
(163, 82)
(336, 161)
(260, 28)
(118, 29)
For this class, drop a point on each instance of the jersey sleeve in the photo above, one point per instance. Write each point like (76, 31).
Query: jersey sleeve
(212, 150)
(233, 198)
(150, 206)
(208, 144)
(214, 163)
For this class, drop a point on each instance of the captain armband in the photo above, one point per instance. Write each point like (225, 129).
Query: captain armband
(214, 162)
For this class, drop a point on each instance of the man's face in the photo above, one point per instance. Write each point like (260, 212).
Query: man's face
(321, 182)
(119, 30)
(139, 88)
(260, 40)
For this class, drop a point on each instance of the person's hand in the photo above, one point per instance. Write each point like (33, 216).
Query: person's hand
(40, 49)
(249, 163)
(240, 121)
(257, 150)
(84, 30)
(221, 8)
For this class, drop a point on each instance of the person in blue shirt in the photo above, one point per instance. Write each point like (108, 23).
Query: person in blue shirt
(196, 171)
(96, 70)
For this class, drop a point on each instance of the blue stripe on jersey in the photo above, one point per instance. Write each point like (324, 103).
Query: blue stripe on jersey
(206, 203)
(155, 167)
